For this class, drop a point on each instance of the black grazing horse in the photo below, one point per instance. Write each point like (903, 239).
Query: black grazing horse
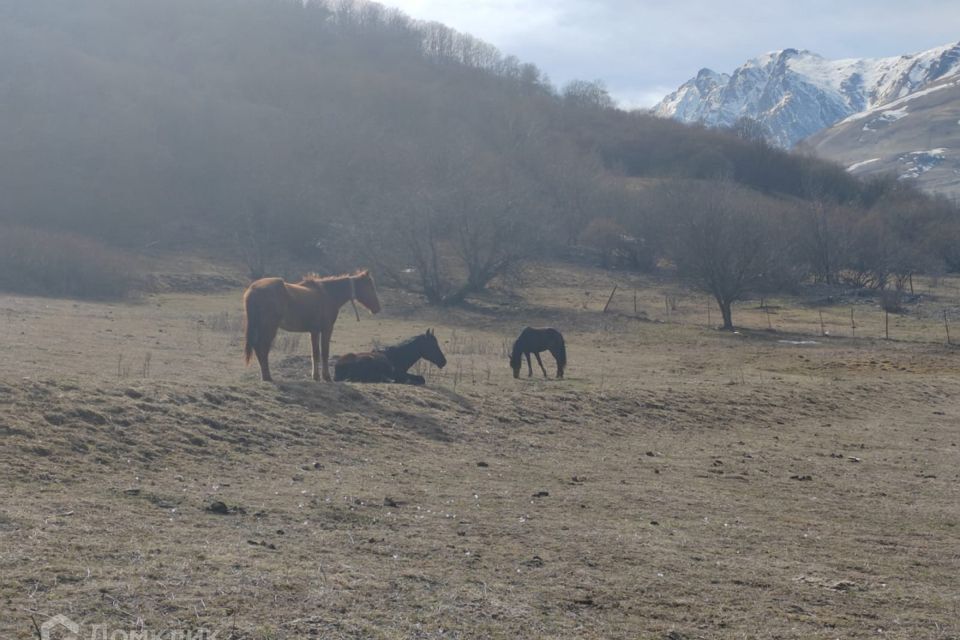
(534, 341)
(391, 363)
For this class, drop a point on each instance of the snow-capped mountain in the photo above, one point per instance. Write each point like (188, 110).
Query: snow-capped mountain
(795, 94)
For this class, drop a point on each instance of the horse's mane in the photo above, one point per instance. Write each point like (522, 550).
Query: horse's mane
(405, 343)
(314, 280)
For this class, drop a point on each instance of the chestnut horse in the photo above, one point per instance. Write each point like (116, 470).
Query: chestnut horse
(311, 305)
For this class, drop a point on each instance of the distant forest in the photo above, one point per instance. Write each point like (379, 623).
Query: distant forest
(340, 133)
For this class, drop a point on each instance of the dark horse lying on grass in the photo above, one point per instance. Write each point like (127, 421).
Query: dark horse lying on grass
(391, 363)
(534, 341)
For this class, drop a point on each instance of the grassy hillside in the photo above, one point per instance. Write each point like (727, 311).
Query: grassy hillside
(679, 482)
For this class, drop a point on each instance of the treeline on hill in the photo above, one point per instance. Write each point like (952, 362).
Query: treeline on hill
(338, 133)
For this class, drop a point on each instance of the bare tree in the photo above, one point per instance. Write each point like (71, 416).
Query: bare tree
(582, 93)
(488, 227)
(442, 222)
(721, 243)
(821, 239)
(747, 128)
(252, 243)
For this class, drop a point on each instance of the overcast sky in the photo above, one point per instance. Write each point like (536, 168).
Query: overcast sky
(643, 49)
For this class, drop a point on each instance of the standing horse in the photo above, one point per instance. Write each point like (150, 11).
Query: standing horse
(391, 363)
(534, 341)
(311, 305)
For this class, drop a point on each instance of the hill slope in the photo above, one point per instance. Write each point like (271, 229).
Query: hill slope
(916, 137)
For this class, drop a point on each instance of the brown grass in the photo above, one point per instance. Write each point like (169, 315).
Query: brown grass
(682, 483)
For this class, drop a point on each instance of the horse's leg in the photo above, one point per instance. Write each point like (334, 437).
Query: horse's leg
(325, 352)
(529, 366)
(315, 344)
(262, 349)
(556, 357)
(540, 362)
(263, 355)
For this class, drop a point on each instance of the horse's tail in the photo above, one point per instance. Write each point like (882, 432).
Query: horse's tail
(561, 355)
(250, 333)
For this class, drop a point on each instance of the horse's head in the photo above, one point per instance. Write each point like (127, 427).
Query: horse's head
(516, 358)
(365, 291)
(430, 349)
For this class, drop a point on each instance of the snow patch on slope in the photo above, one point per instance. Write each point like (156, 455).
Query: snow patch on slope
(857, 165)
(900, 102)
(916, 163)
(885, 118)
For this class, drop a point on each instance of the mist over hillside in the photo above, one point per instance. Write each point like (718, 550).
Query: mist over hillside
(343, 133)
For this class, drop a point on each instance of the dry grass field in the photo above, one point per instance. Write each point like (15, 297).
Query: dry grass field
(681, 482)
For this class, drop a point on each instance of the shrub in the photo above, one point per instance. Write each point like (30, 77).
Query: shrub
(891, 300)
(616, 246)
(49, 263)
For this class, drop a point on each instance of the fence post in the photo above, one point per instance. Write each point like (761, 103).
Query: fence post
(607, 306)
(853, 324)
(946, 325)
(886, 324)
(823, 330)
